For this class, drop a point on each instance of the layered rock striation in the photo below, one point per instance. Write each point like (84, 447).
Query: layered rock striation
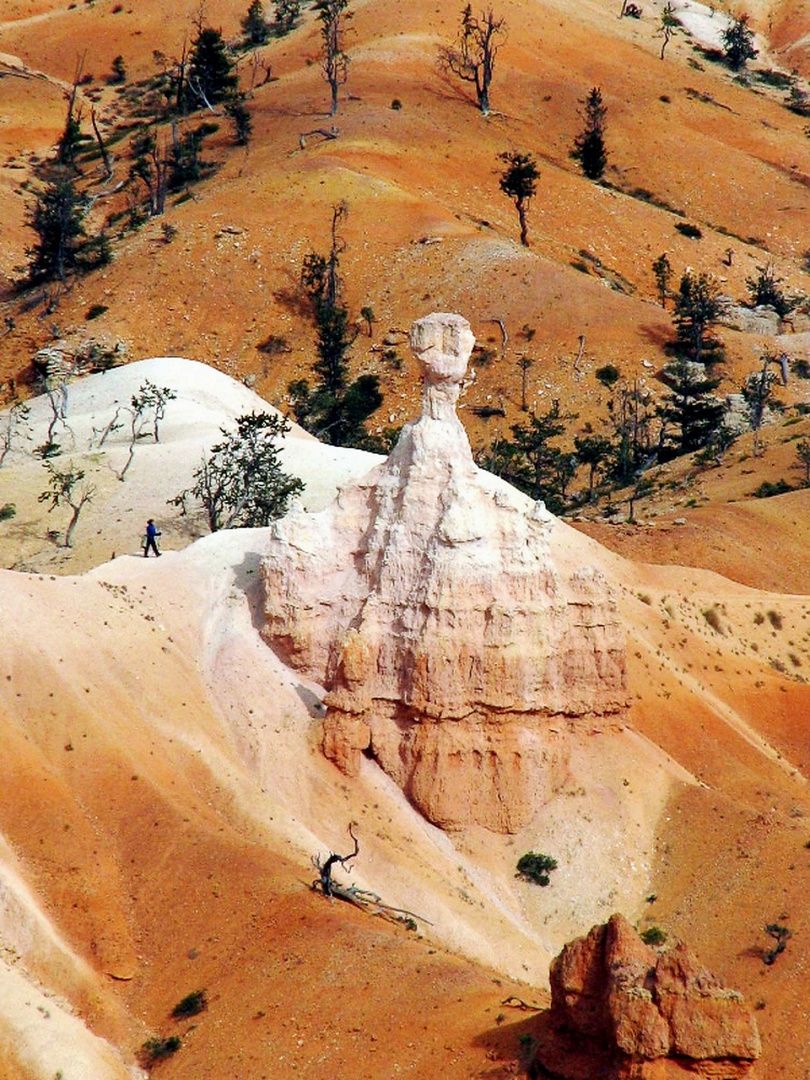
(426, 602)
(622, 1011)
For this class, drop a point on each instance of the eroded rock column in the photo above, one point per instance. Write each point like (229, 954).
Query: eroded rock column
(426, 602)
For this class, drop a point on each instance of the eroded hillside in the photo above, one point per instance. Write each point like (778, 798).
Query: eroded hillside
(428, 228)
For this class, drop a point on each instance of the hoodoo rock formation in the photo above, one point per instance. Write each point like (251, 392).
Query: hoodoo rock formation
(621, 1011)
(426, 602)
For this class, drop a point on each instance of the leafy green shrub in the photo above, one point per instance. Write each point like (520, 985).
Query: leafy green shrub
(7, 511)
(653, 936)
(191, 1005)
(690, 231)
(608, 375)
(767, 489)
(536, 867)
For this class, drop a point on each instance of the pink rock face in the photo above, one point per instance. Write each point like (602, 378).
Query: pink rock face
(426, 603)
(639, 1014)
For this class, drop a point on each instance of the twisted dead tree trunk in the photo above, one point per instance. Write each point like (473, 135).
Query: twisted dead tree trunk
(367, 901)
(324, 882)
(105, 154)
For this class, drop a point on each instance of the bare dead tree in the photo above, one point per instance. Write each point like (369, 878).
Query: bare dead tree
(197, 88)
(473, 59)
(58, 401)
(579, 354)
(105, 154)
(258, 64)
(151, 167)
(105, 432)
(515, 1002)
(524, 363)
(71, 135)
(504, 336)
(324, 882)
(333, 16)
(361, 898)
(137, 423)
(16, 424)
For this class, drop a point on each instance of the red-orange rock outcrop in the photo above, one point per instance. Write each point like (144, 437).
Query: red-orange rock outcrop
(622, 1011)
(426, 601)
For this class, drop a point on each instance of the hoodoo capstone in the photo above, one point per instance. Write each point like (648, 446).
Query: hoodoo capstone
(426, 602)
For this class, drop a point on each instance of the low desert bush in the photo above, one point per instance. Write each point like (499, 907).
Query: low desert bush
(654, 936)
(191, 1005)
(155, 1050)
(536, 867)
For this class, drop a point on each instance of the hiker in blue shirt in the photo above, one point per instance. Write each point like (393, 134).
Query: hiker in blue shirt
(150, 539)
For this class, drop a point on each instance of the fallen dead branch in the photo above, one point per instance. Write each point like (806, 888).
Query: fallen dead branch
(513, 1002)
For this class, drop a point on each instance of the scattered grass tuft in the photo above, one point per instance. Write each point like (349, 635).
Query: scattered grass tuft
(191, 1005)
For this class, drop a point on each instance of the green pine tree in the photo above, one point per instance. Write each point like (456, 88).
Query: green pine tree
(589, 145)
(57, 219)
(210, 77)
